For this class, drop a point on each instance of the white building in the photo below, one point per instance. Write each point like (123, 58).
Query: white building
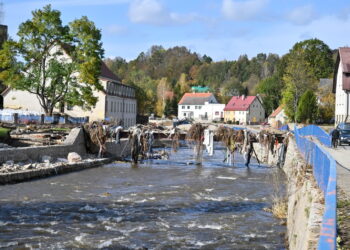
(278, 117)
(116, 102)
(200, 106)
(341, 86)
(244, 110)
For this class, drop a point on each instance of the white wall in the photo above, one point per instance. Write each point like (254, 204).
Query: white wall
(190, 111)
(121, 109)
(340, 97)
(215, 111)
(23, 100)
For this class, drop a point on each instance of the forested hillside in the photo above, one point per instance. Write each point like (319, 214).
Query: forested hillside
(161, 76)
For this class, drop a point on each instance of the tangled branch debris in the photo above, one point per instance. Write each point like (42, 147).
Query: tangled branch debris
(96, 135)
(196, 135)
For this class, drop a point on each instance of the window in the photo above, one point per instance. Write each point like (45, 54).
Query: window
(200, 107)
(188, 107)
(183, 107)
(217, 113)
(184, 114)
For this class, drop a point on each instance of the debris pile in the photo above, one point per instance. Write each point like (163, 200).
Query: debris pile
(195, 135)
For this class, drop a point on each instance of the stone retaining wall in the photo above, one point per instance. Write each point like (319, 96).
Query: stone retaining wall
(305, 202)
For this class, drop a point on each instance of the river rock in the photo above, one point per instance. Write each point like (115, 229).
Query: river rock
(28, 166)
(73, 157)
(9, 163)
(46, 159)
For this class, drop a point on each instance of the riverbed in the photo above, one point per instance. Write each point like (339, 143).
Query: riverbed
(159, 204)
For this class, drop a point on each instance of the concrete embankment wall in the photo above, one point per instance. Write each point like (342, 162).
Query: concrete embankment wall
(51, 171)
(74, 142)
(305, 202)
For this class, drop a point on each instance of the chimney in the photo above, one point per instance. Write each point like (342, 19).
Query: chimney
(243, 97)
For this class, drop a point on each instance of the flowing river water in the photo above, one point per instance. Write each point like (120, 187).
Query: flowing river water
(157, 205)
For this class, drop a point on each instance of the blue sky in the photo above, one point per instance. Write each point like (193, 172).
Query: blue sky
(222, 29)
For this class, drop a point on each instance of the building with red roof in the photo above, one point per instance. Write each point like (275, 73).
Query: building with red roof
(244, 110)
(341, 86)
(200, 106)
(278, 117)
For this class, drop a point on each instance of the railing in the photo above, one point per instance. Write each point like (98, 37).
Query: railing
(317, 132)
(324, 171)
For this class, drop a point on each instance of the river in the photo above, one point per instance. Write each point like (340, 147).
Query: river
(161, 204)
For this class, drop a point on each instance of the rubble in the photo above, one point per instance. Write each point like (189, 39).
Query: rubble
(73, 157)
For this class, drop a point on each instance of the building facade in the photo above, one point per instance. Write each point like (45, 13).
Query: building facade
(200, 106)
(116, 102)
(341, 86)
(278, 117)
(244, 110)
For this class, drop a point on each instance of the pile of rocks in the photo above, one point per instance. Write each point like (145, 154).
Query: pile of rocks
(46, 162)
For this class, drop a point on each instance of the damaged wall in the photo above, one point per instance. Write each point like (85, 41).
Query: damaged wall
(75, 142)
(305, 202)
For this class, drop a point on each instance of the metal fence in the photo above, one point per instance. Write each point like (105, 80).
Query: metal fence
(317, 132)
(324, 171)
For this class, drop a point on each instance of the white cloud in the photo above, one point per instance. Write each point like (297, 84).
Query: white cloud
(153, 12)
(239, 10)
(302, 15)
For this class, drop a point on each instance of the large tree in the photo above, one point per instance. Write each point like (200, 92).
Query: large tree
(271, 91)
(318, 55)
(38, 61)
(298, 78)
(307, 107)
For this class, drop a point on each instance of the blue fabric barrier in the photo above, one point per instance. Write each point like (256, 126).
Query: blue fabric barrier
(7, 118)
(77, 120)
(284, 128)
(48, 119)
(29, 119)
(317, 132)
(324, 171)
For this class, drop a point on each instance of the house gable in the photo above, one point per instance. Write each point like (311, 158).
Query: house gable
(343, 60)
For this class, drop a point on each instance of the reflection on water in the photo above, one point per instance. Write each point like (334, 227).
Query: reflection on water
(158, 205)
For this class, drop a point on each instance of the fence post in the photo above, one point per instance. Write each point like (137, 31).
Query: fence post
(15, 118)
(42, 119)
(87, 119)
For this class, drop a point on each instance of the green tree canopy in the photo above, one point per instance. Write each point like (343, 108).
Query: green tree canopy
(270, 90)
(37, 63)
(318, 55)
(298, 78)
(307, 108)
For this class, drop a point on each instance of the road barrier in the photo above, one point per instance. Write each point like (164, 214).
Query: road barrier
(324, 171)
